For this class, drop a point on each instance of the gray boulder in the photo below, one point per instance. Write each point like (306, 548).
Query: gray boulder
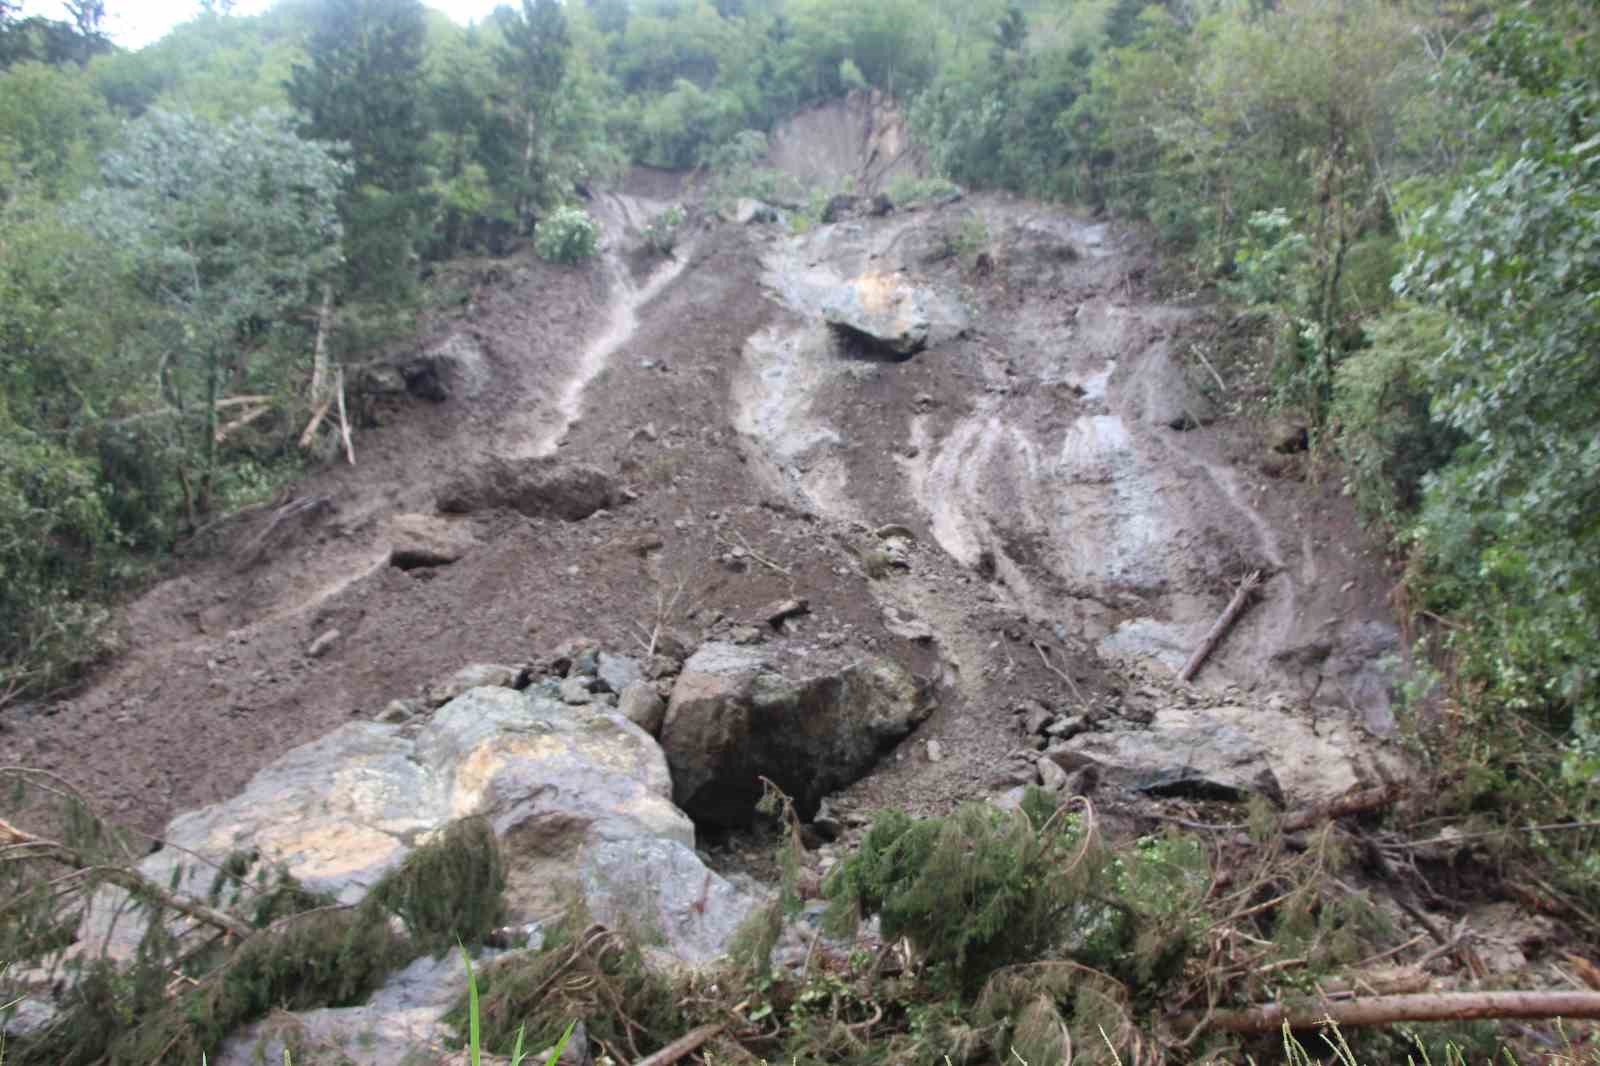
(401, 1022)
(1210, 760)
(811, 721)
(747, 212)
(617, 672)
(464, 680)
(884, 308)
(418, 540)
(538, 488)
(642, 705)
(554, 781)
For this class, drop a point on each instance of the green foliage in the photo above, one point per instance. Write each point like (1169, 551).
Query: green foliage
(307, 953)
(581, 971)
(983, 889)
(226, 229)
(1388, 436)
(661, 232)
(908, 191)
(449, 889)
(1509, 532)
(361, 89)
(51, 124)
(567, 235)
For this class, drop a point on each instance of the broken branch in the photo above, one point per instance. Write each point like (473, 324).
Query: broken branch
(682, 1046)
(127, 877)
(1385, 1010)
(1219, 629)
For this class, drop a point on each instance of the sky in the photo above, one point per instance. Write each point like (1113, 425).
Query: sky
(136, 23)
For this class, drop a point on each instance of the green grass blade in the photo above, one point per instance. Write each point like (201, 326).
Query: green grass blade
(474, 1054)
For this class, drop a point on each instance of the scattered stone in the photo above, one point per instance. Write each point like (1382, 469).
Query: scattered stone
(478, 675)
(323, 644)
(396, 711)
(1287, 434)
(1052, 777)
(893, 532)
(747, 212)
(1065, 728)
(25, 1018)
(419, 541)
(935, 751)
(811, 721)
(642, 705)
(538, 488)
(746, 635)
(1036, 717)
(780, 611)
(575, 690)
(907, 627)
(617, 672)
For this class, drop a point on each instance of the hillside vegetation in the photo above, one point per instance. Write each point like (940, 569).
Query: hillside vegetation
(1398, 201)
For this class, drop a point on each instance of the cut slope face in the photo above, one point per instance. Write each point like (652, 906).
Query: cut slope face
(858, 144)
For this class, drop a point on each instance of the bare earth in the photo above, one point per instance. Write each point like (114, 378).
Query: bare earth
(1054, 515)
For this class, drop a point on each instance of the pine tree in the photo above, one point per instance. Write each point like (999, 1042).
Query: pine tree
(362, 88)
(534, 61)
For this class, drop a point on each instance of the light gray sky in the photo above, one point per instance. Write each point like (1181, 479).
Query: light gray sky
(135, 23)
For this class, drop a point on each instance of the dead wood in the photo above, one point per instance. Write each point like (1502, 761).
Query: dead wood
(344, 421)
(689, 1042)
(1386, 1010)
(1219, 629)
(1358, 802)
(223, 432)
(321, 402)
(34, 847)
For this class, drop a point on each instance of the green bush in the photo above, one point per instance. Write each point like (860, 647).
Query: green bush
(661, 233)
(907, 190)
(568, 235)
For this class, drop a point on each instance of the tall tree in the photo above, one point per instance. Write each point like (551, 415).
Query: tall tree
(363, 89)
(534, 61)
(228, 229)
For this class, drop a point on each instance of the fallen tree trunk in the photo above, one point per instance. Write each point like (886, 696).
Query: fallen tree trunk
(1219, 628)
(21, 844)
(1358, 802)
(682, 1046)
(1385, 1010)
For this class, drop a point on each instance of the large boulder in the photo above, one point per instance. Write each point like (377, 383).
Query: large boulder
(885, 308)
(555, 783)
(418, 541)
(1203, 760)
(538, 488)
(812, 722)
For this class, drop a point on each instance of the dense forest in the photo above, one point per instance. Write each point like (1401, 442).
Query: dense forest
(1401, 198)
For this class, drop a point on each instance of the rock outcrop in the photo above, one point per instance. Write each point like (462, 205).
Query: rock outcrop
(811, 722)
(538, 488)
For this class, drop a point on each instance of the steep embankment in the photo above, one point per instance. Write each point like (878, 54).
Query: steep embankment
(1061, 546)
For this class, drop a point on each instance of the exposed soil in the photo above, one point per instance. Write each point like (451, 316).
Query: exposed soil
(1068, 544)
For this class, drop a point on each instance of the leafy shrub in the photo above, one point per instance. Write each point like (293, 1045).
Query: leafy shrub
(568, 235)
(661, 232)
(983, 889)
(907, 190)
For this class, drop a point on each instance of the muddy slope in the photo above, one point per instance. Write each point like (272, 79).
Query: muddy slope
(1066, 544)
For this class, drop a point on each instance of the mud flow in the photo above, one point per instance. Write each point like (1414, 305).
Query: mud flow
(1030, 498)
